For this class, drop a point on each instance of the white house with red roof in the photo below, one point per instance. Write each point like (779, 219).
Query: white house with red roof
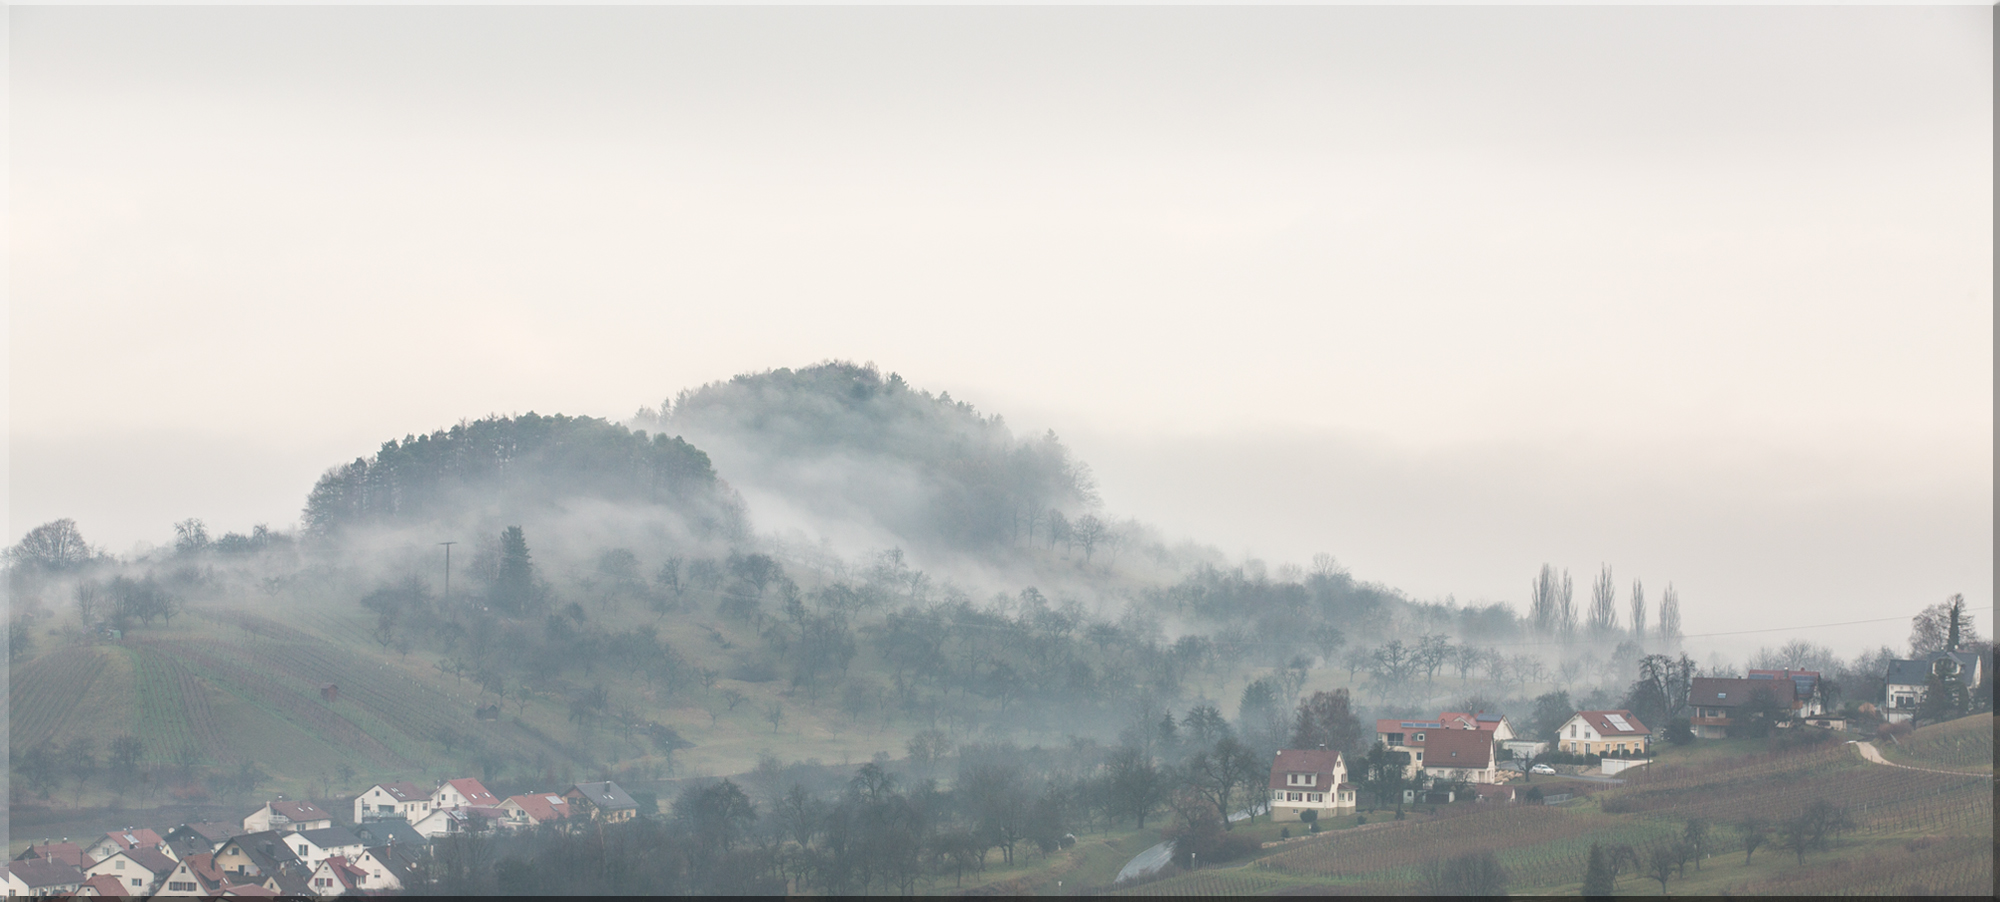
(128, 838)
(405, 800)
(535, 809)
(1460, 754)
(140, 869)
(103, 886)
(1309, 780)
(464, 792)
(336, 876)
(287, 815)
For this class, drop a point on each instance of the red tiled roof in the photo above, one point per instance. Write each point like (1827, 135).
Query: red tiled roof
(299, 811)
(542, 807)
(1459, 748)
(65, 852)
(42, 872)
(127, 839)
(1304, 761)
(474, 793)
(1606, 729)
(152, 859)
(106, 885)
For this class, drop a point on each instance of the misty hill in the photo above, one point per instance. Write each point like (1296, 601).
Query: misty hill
(836, 446)
(506, 467)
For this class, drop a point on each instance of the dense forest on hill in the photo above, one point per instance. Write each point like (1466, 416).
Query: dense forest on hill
(847, 444)
(501, 466)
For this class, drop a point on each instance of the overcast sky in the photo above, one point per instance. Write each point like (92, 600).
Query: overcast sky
(1705, 294)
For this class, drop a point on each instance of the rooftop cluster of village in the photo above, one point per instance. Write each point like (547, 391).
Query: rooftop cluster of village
(295, 848)
(1481, 755)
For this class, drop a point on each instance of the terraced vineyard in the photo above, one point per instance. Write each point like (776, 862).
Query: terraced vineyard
(175, 721)
(1964, 744)
(46, 690)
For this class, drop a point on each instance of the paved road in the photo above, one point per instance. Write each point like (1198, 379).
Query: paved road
(1869, 752)
(1156, 857)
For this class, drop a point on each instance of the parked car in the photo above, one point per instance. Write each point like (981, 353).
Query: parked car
(1542, 769)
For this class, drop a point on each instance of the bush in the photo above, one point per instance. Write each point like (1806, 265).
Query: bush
(1285, 833)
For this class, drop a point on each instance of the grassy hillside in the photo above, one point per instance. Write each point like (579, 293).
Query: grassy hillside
(1914, 832)
(1965, 744)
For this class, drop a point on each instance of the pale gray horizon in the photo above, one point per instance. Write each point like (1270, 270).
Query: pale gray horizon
(1701, 293)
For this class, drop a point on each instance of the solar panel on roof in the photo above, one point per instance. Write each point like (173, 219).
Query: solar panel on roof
(1619, 722)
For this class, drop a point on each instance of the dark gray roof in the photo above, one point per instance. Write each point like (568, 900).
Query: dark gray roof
(38, 873)
(328, 837)
(1908, 673)
(606, 795)
(390, 830)
(402, 862)
(267, 850)
(1728, 692)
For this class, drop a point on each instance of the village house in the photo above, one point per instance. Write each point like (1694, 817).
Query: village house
(256, 855)
(603, 801)
(315, 846)
(1906, 680)
(404, 800)
(128, 838)
(337, 877)
(1603, 733)
(284, 815)
(454, 821)
(1715, 702)
(391, 868)
(464, 792)
(103, 886)
(1309, 780)
(1496, 724)
(1460, 754)
(1413, 737)
(534, 810)
(65, 852)
(1408, 737)
(37, 878)
(1808, 698)
(194, 839)
(391, 832)
(140, 868)
(195, 875)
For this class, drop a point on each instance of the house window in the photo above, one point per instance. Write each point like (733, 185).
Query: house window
(1572, 731)
(119, 865)
(1420, 756)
